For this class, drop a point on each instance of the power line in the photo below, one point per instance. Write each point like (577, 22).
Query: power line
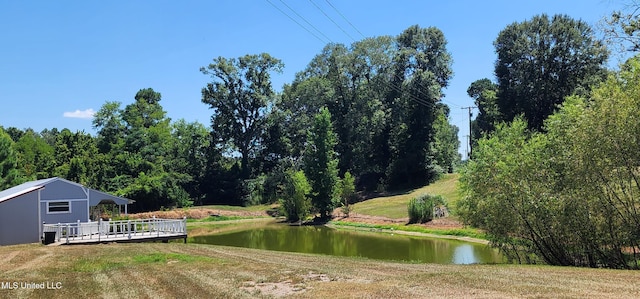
(334, 22)
(354, 27)
(392, 85)
(292, 19)
(470, 147)
(305, 20)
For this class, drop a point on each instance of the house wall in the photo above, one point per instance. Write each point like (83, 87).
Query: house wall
(19, 220)
(79, 211)
(64, 191)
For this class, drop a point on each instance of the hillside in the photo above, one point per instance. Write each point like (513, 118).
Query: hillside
(395, 206)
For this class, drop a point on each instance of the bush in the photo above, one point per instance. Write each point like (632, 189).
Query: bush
(295, 202)
(347, 190)
(420, 209)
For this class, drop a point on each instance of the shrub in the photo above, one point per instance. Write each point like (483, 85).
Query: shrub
(420, 209)
(347, 191)
(295, 201)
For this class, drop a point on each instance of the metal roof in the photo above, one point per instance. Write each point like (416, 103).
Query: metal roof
(27, 187)
(17, 191)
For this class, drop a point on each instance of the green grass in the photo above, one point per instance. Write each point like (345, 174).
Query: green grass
(458, 232)
(396, 206)
(221, 218)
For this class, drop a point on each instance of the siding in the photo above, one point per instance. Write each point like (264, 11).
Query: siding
(60, 189)
(19, 220)
(79, 211)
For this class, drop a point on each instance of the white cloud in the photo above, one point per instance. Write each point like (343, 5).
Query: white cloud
(85, 114)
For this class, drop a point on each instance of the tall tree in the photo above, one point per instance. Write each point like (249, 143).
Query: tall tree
(188, 156)
(240, 96)
(484, 95)
(321, 164)
(543, 60)
(35, 156)
(74, 156)
(446, 143)
(622, 28)
(9, 174)
(422, 67)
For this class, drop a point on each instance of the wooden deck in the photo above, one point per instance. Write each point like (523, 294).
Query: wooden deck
(138, 230)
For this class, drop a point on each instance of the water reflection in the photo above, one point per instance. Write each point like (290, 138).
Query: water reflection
(324, 240)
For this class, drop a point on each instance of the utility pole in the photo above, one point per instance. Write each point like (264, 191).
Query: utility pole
(470, 151)
(467, 142)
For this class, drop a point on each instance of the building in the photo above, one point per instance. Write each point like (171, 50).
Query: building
(24, 208)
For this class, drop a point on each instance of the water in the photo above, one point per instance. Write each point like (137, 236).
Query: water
(329, 241)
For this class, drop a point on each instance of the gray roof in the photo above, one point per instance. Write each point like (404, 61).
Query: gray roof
(95, 195)
(19, 190)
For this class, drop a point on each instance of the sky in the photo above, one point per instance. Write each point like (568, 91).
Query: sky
(60, 61)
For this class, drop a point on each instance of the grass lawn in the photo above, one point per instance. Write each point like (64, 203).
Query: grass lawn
(175, 270)
(395, 206)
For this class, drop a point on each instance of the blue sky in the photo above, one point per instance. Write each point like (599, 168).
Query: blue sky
(61, 60)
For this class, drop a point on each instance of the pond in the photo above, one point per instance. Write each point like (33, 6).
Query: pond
(330, 241)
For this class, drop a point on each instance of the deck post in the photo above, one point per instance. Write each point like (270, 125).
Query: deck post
(184, 226)
(129, 228)
(79, 231)
(68, 230)
(99, 228)
(59, 232)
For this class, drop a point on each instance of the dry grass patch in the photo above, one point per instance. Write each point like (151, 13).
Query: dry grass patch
(202, 212)
(175, 270)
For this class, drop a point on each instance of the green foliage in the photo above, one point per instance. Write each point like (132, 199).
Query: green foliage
(347, 191)
(36, 158)
(239, 96)
(382, 93)
(566, 197)
(321, 164)
(294, 201)
(420, 209)
(622, 28)
(543, 60)
(422, 67)
(446, 142)
(253, 191)
(485, 96)
(9, 174)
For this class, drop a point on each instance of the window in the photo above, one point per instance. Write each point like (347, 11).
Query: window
(54, 207)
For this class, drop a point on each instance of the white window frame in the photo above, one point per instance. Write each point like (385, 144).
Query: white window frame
(59, 212)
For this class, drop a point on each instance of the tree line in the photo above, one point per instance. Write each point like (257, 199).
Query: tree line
(554, 174)
(370, 111)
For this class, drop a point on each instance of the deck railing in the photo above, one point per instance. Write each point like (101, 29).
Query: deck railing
(104, 230)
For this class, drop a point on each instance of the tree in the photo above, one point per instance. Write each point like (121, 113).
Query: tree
(110, 125)
(321, 164)
(568, 196)
(347, 191)
(543, 60)
(445, 142)
(422, 67)
(35, 156)
(188, 153)
(137, 155)
(240, 95)
(484, 94)
(74, 156)
(9, 174)
(622, 28)
(294, 198)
